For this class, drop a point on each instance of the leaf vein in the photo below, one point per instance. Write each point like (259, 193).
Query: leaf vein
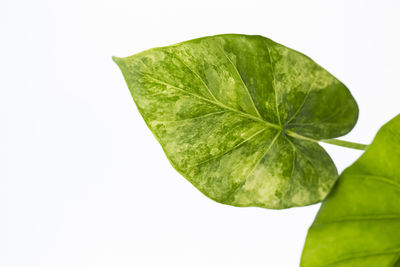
(215, 103)
(199, 77)
(302, 104)
(361, 218)
(193, 118)
(363, 255)
(231, 149)
(293, 165)
(274, 85)
(255, 166)
(241, 79)
(380, 178)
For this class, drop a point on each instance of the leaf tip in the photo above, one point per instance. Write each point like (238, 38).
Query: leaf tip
(116, 59)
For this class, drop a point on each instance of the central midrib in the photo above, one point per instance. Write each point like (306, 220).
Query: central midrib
(244, 114)
(273, 125)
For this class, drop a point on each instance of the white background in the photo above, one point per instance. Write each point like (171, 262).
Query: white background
(82, 180)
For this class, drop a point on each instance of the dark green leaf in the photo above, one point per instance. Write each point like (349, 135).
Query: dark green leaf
(358, 225)
(240, 116)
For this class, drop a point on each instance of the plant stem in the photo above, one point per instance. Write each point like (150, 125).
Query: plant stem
(345, 144)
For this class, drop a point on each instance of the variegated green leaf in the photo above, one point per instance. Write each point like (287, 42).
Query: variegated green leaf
(358, 225)
(240, 116)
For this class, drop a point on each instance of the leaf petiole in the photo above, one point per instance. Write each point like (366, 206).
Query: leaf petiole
(345, 144)
(330, 141)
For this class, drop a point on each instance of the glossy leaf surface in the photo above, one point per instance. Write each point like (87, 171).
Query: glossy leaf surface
(358, 224)
(240, 116)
